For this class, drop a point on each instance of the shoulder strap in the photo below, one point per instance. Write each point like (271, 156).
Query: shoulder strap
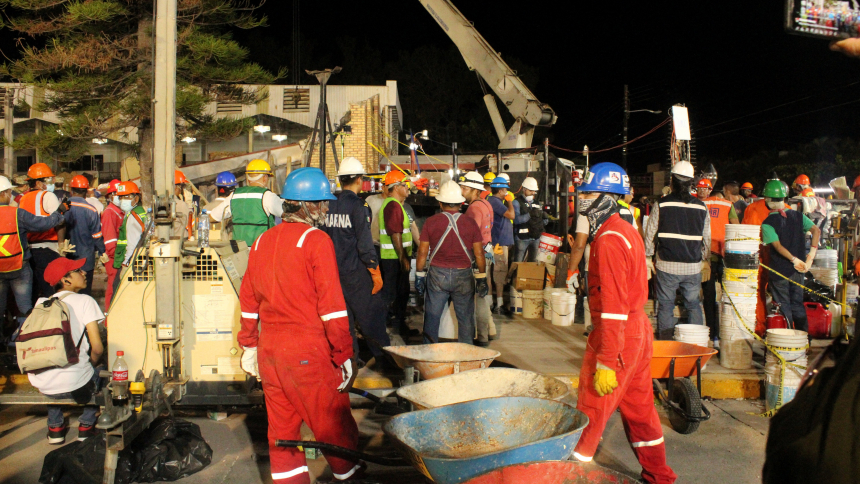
(452, 224)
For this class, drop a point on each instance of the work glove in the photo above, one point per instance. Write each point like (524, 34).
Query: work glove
(509, 197)
(650, 265)
(572, 281)
(377, 279)
(348, 375)
(104, 259)
(65, 206)
(66, 248)
(488, 256)
(604, 381)
(811, 257)
(706, 271)
(481, 286)
(420, 282)
(799, 265)
(249, 362)
(498, 250)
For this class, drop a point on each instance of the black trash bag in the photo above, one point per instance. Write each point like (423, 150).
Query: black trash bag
(83, 463)
(171, 449)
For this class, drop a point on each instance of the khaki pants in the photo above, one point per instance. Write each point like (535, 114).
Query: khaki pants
(500, 271)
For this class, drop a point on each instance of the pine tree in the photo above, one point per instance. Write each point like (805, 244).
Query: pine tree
(95, 59)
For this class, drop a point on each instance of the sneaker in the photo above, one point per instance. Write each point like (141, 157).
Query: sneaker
(85, 432)
(57, 435)
(482, 344)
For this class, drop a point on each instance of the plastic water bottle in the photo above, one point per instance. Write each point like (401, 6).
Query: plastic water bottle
(119, 373)
(203, 229)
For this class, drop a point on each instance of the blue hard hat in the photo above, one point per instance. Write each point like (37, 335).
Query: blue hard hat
(307, 184)
(226, 179)
(499, 182)
(606, 178)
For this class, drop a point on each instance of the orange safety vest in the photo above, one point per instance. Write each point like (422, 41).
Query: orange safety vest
(718, 209)
(11, 252)
(33, 202)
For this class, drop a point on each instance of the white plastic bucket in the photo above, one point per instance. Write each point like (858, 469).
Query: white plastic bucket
(548, 248)
(744, 276)
(516, 301)
(826, 259)
(547, 300)
(735, 232)
(774, 378)
(793, 339)
(563, 308)
(735, 348)
(532, 303)
(742, 246)
(696, 334)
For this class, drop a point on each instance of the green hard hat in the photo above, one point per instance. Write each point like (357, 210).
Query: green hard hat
(775, 189)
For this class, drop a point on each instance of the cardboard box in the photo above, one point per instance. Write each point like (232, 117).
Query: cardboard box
(529, 275)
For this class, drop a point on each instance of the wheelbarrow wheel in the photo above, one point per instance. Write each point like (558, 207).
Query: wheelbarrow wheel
(686, 396)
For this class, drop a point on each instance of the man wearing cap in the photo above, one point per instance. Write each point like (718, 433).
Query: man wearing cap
(253, 208)
(91, 197)
(15, 269)
(348, 225)
(21, 187)
(395, 243)
(133, 226)
(111, 223)
(746, 192)
(503, 236)
(452, 242)
(529, 221)
(481, 212)
(85, 229)
(184, 218)
(60, 188)
(225, 185)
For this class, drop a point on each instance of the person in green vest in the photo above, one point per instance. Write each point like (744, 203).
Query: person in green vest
(395, 243)
(132, 228)
(253, 208)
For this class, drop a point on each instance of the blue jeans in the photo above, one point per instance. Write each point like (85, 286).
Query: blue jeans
(790, 299)
(22, 287)
(82, 395)
(667, 286)
(530, 245)
(457, 285)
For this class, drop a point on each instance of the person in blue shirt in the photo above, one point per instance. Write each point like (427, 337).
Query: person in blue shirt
(503, 237)
(84, 227)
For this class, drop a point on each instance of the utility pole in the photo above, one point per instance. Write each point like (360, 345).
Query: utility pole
(9, 118)
(624, 136)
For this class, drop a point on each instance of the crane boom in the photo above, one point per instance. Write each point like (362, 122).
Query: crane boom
(480, 57)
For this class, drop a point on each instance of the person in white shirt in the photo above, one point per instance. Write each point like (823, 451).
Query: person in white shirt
(80, 380)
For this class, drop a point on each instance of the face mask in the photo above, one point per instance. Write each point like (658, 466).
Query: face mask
(530, 198)
(49, 187)
(585, 204)
(116, 201)
(774, 205)
(125, 205)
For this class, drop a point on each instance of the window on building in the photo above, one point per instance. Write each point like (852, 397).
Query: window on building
(87, 163)
(297, 100)
(23, 163)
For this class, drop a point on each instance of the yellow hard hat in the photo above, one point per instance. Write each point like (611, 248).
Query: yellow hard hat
(490, 176)
(258, 166)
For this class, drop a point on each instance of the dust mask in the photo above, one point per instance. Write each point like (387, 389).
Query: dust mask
(49, 187)
(125, 205)
(116, 201)
(774, 205)
(530, 198)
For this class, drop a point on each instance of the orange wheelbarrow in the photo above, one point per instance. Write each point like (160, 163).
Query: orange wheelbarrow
(673, 364)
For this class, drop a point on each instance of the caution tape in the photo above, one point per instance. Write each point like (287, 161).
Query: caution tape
(801, 285)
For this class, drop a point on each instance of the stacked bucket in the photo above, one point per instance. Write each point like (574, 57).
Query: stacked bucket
(792, 345)
(740, 286)
(559, 306)
(825, 267)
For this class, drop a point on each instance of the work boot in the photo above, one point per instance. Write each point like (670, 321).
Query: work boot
(482, 344)
(86, 431)
(57, 435)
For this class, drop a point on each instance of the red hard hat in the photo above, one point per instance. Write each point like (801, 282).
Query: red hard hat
(112, 185)
(79, 181)
(179, 177)
(748, 186)
(802, 180)
(704, 183)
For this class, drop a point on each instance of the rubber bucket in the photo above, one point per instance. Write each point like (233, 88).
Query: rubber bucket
(548, 248)
(532, 303)
(563, 308)
(793, 339)
(740, 232)
(773, 380)
(516, 301)
(735, 349)
(547, 300)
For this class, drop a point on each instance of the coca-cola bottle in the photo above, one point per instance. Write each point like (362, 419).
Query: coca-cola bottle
(119, 377)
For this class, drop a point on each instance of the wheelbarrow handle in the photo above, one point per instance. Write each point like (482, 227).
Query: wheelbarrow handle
(343, 452)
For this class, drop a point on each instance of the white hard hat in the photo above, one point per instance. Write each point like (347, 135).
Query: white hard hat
(4, 184)
(473, 179)
(683, 168)
(505, 176)
(530, 184)
(351, 166)
(450, 192)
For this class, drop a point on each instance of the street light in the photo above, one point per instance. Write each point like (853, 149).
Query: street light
(100, 141)
(279, 137)
(261, 128)
(188, 139)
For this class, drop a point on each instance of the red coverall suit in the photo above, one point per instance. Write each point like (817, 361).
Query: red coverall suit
(621, 340)
(111, 222)
(292, 288)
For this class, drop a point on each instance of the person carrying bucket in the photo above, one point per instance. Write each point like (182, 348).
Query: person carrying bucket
(784, 234)
(616, 368)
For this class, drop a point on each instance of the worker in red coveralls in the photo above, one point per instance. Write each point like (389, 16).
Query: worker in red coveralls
(302, 350)
(616, 370)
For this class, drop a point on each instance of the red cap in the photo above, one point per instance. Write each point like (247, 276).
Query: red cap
(120, 353)
(58, 269)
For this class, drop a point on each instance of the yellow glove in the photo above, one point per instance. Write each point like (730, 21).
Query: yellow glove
(498, 250)
(604, 382)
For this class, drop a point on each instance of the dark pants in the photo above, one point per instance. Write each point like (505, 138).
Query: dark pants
(790, 299)
(21, 283)
(395, 291)
(458, 286)
(366, 312)
(89, 289)
(38, 262)
(709, 299)
(81, 396)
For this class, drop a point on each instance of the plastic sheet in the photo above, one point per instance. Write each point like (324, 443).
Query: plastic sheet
(83, 463)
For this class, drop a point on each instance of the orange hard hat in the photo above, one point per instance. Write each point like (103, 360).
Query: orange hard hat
(79, 181)
(807, 192)
(39, 170)
(393, 177)
(127, 188)
(179, 177)
(112, 185)
(704, 183)
(802, 180)
(856, 182)
(747, 186)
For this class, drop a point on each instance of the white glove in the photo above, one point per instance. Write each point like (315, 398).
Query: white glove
(249, 362)
(811, 257)
(650, 265)
(799, 265)
(347, 374)
(573, 282)
(66, 248)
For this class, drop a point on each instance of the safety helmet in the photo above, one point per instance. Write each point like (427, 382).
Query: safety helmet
(226, 179)
(307, 184)
(5, 184)
(112, 186)
(350, 166)
(775, 189)
(683, 168)
(801, 180)
(450, 192)
(179, 178)
(606, 178)
(474, 180)
(856, 182)
(394, 177)
(530, 184)
(704, 183)
(748, 185)
(807, 192)
(127, 188)
(258, 167)
(505, 176)
(20, 180)
(39, 170)
(490, 176)
(79, 181)
(500, 182)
